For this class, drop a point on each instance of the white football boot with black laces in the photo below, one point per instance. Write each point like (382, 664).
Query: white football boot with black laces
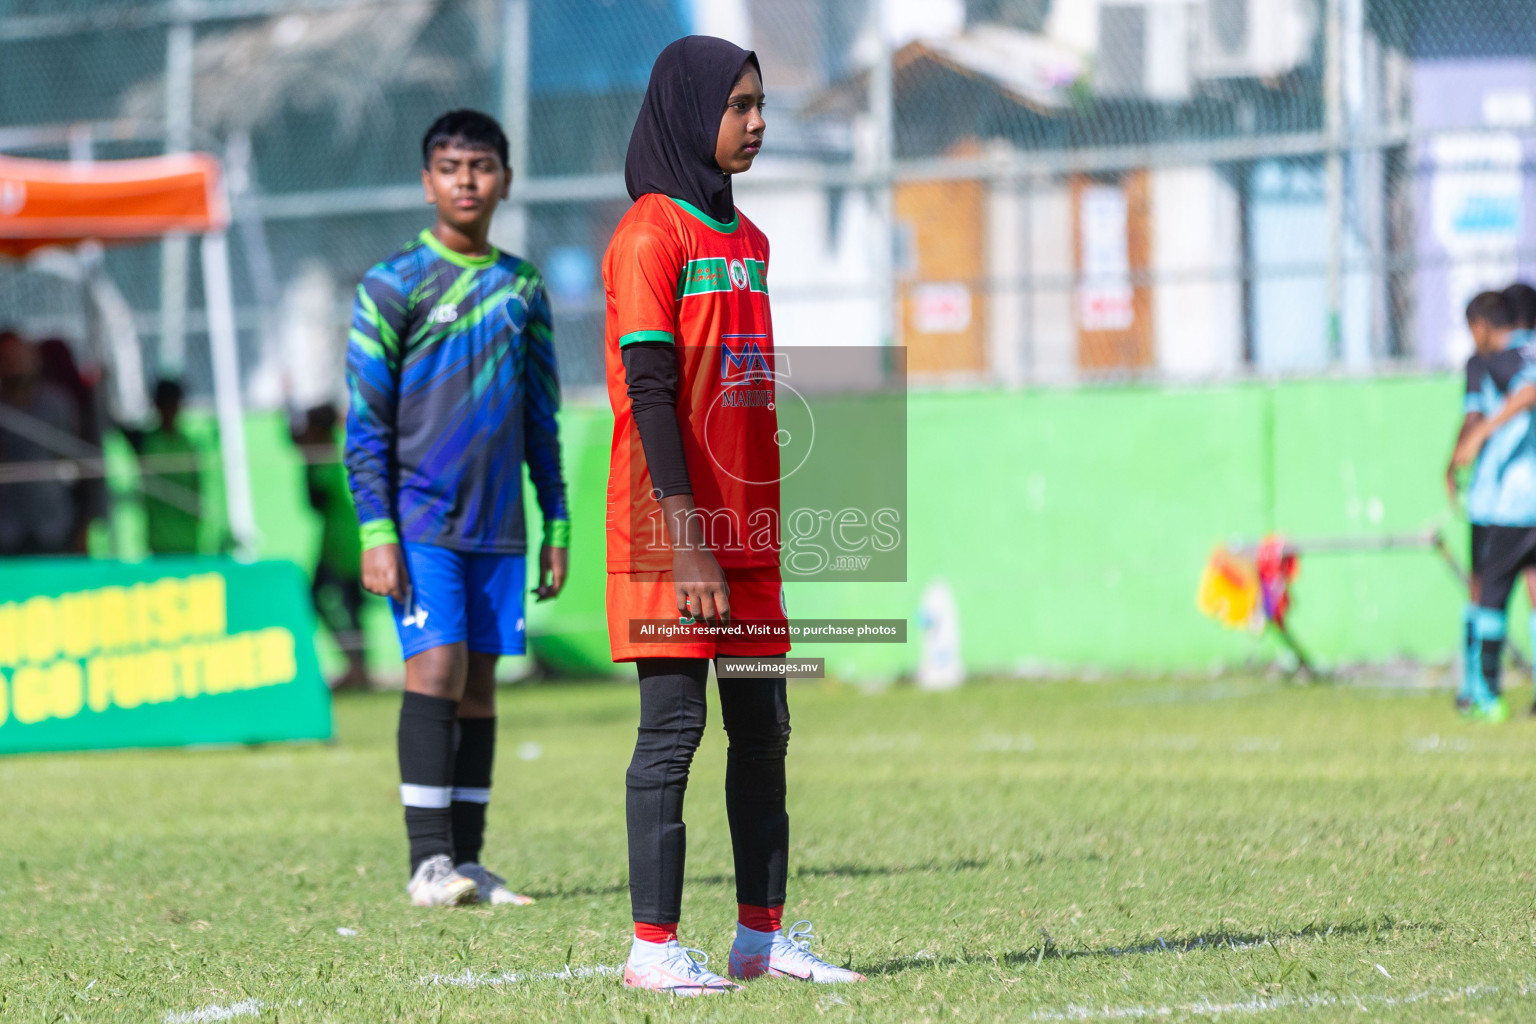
(785, 956)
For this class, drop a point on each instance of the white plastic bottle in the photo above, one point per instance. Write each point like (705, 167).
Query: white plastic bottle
(940, 666)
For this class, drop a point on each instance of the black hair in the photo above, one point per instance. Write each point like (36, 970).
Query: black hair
(1492, 307)
(168, 391)
(471, 129)
(1522, 303)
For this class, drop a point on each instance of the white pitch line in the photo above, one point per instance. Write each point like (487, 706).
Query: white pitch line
(1206, 1008)
(245, 1008)
(472, 979)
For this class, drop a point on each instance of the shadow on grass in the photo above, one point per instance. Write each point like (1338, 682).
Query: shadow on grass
(828, 871)
(1048, 950)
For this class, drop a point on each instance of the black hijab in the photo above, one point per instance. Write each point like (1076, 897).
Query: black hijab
(672, 149)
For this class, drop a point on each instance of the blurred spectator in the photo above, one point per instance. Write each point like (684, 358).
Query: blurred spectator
(90, 491)
(168, 467)
(338, 587)
(38, 423)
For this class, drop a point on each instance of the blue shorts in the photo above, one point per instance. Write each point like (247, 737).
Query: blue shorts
(457, 596)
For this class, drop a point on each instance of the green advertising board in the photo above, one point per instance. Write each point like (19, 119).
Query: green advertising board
(166, 652)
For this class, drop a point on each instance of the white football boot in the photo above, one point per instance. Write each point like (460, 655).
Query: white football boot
(787, 956)
(436, 884)
(671, 967)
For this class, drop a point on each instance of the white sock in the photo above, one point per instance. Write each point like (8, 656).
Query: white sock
(751, 942)
(642, 952)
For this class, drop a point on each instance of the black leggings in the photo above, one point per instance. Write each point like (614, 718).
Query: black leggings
(756, 716)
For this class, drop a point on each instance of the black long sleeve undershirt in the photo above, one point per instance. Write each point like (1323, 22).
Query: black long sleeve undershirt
(650, 377)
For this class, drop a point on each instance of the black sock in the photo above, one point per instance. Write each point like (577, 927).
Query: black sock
(472, 786)
(426, 773)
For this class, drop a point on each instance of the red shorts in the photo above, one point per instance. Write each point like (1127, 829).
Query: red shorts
(757, 596)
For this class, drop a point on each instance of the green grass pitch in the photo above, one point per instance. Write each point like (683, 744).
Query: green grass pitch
(1233, 850)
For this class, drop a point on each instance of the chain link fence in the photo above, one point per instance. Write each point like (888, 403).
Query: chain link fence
(1018, 191)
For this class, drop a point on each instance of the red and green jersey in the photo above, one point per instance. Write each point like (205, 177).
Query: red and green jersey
(677, 276)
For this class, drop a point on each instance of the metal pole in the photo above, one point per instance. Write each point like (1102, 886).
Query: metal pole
(512, 224)
(225, 346)
(1027, 188)
(1333, 167)
(882, 110)
(240, 185)
(1362, 194)
(179, 52)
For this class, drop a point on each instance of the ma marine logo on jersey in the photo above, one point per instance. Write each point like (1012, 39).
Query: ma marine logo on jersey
(742, 360)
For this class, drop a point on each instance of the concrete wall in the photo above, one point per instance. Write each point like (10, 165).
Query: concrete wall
(1288, 228)
(1051, 339)
(820, 266)
(1196, 243)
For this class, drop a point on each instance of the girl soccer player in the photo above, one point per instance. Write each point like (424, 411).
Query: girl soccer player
(693, 500)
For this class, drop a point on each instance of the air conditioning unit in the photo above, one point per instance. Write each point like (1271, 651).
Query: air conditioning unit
(1144, 49)
(1253, 38)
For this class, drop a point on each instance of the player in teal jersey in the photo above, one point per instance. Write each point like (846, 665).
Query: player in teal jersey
(451, 368)
(1480, 400)
(1500, 442)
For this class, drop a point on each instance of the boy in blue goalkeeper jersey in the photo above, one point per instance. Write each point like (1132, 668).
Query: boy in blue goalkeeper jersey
(451, 368)
(1499, 440)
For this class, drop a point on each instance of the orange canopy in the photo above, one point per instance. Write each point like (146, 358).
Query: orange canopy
(47, 202)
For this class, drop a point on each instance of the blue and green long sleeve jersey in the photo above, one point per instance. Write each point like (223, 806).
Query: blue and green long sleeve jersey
(451, 368)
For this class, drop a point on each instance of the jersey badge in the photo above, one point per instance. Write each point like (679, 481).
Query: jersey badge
(445, 313)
